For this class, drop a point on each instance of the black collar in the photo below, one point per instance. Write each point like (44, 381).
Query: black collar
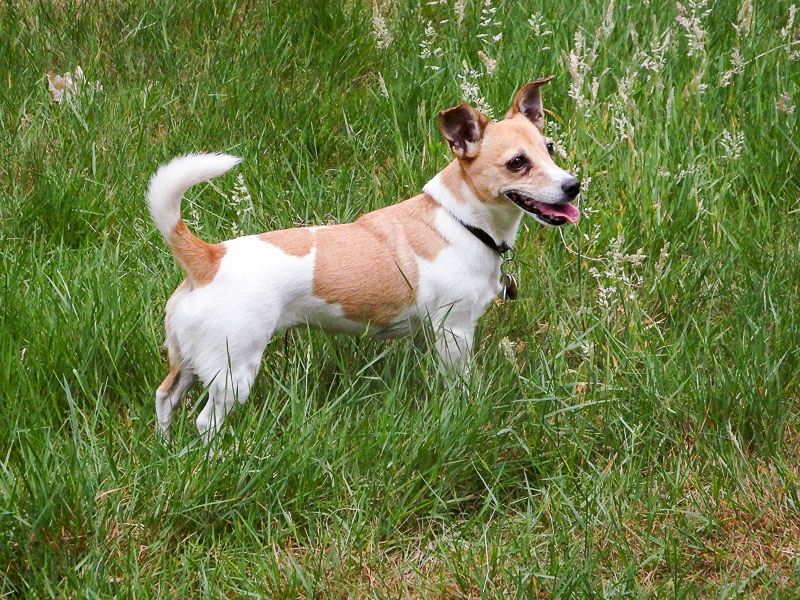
(487, 239)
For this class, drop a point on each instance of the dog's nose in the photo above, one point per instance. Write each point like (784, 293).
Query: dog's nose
(571, 187)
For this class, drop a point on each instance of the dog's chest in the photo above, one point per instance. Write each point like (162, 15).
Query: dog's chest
(459, 282)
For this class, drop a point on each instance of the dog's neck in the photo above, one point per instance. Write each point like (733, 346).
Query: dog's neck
(454, 191)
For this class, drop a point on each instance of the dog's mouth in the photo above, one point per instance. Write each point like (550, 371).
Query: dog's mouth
(549, 214)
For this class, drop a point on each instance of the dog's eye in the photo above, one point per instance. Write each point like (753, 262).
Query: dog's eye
(518, 163)
(551, 147)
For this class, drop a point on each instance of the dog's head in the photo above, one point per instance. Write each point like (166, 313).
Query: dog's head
(510, 161)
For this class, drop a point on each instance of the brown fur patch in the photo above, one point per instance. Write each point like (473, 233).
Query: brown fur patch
(198, 259)
(453, 178)
(419, 227)
(296, 242)
(369, 266)
(169, 380)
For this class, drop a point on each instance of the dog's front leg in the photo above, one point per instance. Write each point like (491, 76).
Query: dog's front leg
(454, 346)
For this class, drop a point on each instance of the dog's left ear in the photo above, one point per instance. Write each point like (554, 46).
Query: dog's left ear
(462, 127)
(528, 101)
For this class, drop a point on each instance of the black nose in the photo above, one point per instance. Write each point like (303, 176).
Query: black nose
(571, 187)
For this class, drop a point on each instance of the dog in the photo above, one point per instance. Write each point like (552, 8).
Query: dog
(435, 258)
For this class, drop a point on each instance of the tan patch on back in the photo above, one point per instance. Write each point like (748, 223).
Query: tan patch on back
(369, 267)
(296, 242)
(198, 259)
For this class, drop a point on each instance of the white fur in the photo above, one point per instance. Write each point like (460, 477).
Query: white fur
(552, 194)
(171, 181)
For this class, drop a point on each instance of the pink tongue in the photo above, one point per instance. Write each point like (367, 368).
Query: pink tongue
(567, 211)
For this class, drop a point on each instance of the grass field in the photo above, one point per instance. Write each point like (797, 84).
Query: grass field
(632, 425)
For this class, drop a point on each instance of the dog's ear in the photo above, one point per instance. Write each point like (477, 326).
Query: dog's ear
(528, 101)
(462, 127)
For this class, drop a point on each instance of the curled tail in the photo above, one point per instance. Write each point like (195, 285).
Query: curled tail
(197, 258)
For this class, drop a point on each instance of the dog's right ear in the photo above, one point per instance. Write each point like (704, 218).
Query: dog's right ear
(462, 127)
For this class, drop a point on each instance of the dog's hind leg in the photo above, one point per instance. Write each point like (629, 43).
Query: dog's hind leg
(228, 388)
(170, 394)
(179, 379)
(229, 384)
(174, 387)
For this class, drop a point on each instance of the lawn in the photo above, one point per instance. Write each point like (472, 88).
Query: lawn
(631, 427)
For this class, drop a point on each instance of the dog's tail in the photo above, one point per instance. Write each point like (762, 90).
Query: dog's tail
(197, 258)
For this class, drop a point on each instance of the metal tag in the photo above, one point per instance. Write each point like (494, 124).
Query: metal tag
(509, 284)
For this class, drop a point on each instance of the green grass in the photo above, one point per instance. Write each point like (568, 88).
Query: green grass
(629, 431)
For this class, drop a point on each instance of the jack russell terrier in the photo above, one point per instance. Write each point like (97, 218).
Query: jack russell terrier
(435, 258)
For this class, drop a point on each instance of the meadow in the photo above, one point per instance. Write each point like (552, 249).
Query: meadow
(631, 428)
